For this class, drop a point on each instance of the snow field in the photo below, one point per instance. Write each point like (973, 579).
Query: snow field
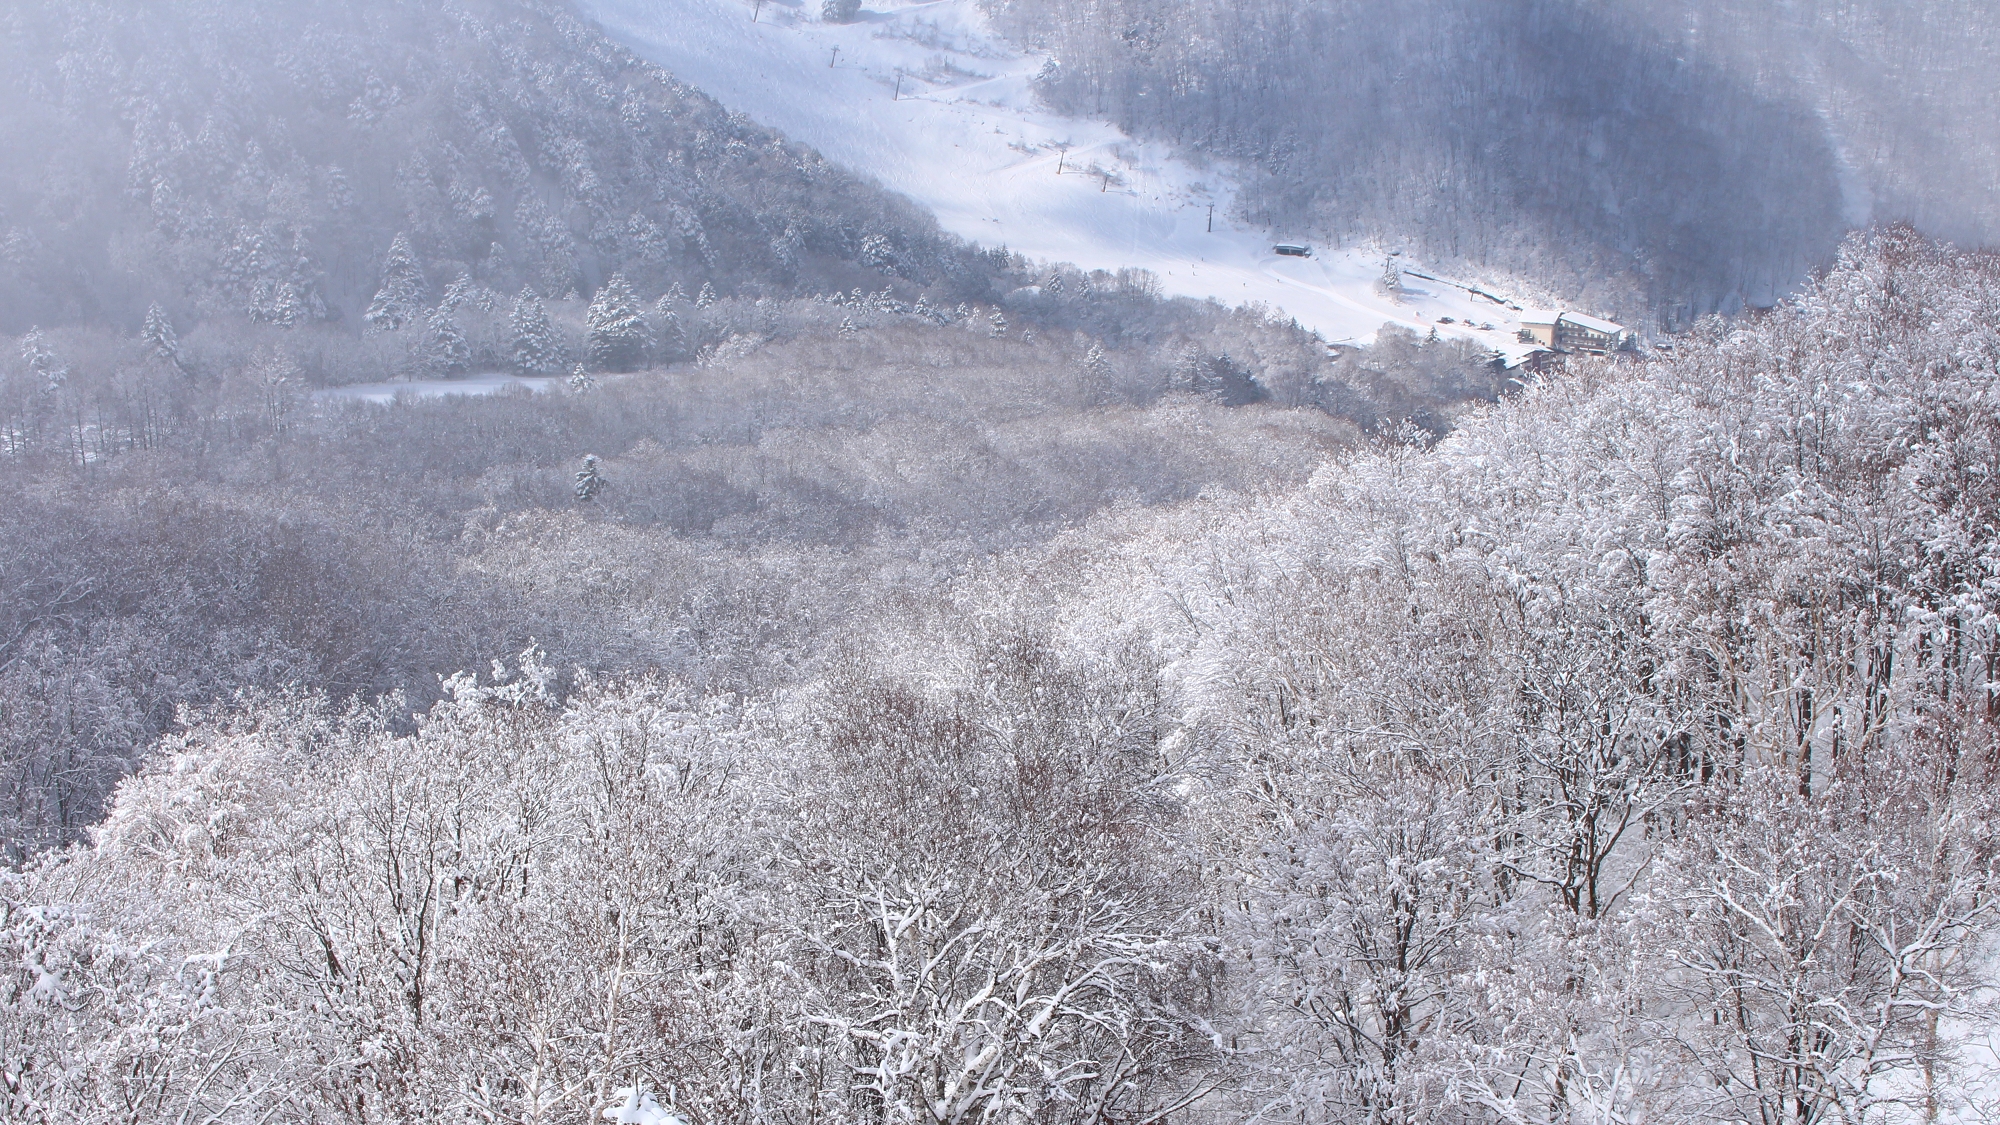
(926, 98)
(470, 386)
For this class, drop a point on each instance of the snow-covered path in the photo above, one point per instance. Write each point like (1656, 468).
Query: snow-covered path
(924, 97)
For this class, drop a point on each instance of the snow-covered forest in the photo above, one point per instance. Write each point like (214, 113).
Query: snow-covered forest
(527, 596)
(258, 160)
(1626, 754)
(1670, 158)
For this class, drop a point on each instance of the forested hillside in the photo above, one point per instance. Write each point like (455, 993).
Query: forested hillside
(1625, 755)
(1664, 159)
(843, 675)
(239, 206)
(223, 158)
(186, 524)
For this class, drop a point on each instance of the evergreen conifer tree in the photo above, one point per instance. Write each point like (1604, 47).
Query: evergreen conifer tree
(445, 351)
(1189, 370)
(536, 348)
(589, 481)
(618, 338)
(670, 341)
(847, 329)
(161, 340)
(400, 300)
(466, 291)
(996, 325)
(1096, 367)
(48, 369)
(1391, 281)
(706, 297)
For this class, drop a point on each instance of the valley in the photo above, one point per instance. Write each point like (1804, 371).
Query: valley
(927, 99)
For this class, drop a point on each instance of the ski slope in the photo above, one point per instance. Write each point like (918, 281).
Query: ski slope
(924, 97)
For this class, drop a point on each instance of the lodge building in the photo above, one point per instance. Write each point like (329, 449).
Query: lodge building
(1573, 332)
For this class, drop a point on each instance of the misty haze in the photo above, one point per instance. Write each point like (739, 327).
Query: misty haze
(1000, 562)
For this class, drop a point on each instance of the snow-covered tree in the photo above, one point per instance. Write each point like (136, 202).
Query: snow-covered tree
(444, 351)
(996, 324)
(1097, 368)
(46, 370)
(839, 11)
(162, 342)
(1390, 282)
(400, 299)
(878, 252)
(535, 347)
(670, 339)
(590, 482)
(705, 298)
(617, 335)
(467, 293)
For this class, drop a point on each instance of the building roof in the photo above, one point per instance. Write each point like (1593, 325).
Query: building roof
(1594, 324)
(1540, 316)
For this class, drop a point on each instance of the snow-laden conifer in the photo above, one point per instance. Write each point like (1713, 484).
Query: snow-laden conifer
(1391, 280)
(400, 300)
(670, 339)
(159, 336)
(48, 370)
(590, 480)
(617, 335)
(444, 351)
(535, 348)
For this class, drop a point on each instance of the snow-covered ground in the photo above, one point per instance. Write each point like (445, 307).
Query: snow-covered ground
(923, 96)
(428, 388)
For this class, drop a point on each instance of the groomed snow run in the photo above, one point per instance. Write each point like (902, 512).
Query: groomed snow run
(928, 100)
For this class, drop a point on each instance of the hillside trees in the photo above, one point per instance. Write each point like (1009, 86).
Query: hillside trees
(1704, 735)
(137, 583)
(1624, 754)
(250, 161)
(646, 940)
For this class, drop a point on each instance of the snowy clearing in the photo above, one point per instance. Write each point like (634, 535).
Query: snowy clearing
(471, 385)
(927, 99)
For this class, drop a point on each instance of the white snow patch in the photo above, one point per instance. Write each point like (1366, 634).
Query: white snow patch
(640, 1109)
(471, 385)
(925, 97)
